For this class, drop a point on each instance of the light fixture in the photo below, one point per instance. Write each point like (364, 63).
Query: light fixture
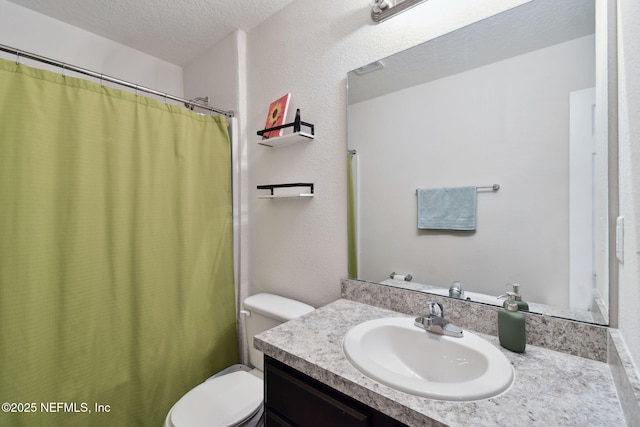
(381, 10)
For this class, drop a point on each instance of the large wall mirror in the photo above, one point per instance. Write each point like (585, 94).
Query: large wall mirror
(521, 100)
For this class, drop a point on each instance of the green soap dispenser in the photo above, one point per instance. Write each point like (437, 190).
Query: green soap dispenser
(522, 305)
(511, 326)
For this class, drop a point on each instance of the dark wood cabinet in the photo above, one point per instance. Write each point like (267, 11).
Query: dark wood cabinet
(295, 399)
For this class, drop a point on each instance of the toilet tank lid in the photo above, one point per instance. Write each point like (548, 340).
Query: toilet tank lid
(276, 307)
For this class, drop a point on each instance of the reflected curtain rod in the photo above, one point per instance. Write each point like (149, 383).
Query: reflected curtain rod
(20, 53)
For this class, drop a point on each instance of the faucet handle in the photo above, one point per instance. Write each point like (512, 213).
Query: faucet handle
(434, 309)
(455, 290)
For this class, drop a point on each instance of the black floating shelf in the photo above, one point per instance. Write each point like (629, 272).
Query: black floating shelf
(272, 187)
(287, 139)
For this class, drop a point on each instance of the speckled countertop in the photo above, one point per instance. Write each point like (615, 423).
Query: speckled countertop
(550, 388)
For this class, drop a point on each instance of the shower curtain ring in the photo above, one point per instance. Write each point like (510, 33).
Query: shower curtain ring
(17, 57)
(136, 90)
(64, 68)
(101, 82)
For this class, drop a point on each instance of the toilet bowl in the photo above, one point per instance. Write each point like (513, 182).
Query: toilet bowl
(234, 396)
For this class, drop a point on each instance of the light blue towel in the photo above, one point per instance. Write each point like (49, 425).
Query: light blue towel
(448, 208)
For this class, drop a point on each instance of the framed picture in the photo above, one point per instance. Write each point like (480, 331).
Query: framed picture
(277, 115)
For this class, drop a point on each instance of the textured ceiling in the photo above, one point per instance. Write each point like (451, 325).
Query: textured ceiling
(174, 30)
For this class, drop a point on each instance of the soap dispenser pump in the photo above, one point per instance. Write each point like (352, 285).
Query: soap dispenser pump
(522, 305)
(511, 325)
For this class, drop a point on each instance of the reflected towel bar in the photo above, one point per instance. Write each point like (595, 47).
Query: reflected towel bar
(494, 187)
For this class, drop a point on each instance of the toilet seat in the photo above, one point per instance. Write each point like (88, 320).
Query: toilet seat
(223, 401)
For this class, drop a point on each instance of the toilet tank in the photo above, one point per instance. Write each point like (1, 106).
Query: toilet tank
(265, 312)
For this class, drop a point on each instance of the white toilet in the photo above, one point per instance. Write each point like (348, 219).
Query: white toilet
(234, 396)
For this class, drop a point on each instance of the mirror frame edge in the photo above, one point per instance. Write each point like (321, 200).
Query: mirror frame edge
(613, 192)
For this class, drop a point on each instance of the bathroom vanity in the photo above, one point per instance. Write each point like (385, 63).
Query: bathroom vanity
(305, 363)
(295, 399)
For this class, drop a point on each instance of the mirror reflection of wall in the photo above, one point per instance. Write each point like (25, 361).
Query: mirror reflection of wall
(520, 121)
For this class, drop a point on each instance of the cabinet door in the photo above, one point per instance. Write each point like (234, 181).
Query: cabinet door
(273, 420)
(304, 404)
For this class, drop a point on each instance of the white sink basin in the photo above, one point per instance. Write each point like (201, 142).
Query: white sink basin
(395, 352)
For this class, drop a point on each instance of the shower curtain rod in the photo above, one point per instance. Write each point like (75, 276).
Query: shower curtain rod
(20, 53)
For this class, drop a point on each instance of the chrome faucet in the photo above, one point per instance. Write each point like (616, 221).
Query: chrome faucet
(434, 321)
(455, 290)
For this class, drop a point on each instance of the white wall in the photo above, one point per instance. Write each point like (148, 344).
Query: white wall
(24, 29)
(629, 171)
(215, 74)
(456, 131)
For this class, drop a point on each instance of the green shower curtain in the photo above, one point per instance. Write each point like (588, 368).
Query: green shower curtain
(351, 219)
(116, 269)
